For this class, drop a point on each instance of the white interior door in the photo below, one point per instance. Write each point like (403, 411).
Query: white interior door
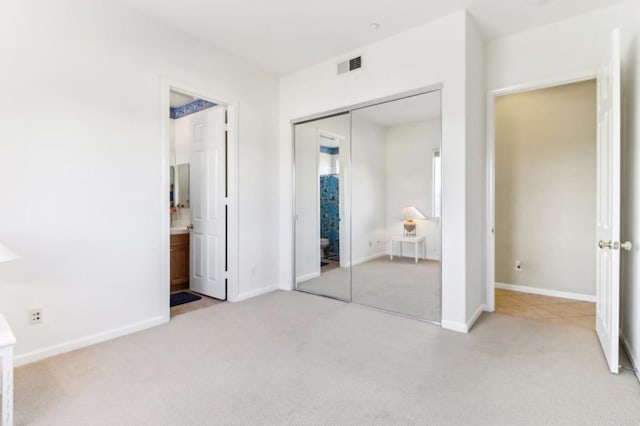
(207, 192)
(608, 204)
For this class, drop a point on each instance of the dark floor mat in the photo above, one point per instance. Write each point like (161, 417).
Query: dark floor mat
(182, 298)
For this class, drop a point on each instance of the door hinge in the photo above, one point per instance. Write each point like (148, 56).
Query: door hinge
(226, 201)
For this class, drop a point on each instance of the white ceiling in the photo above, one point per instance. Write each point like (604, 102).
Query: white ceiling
(287, 35)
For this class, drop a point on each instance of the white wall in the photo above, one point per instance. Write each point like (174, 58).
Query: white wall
(546, 188)
(82, 148)
(554, 51)
(182, 139)
(433, 53)
(630, 276)
(368, 196)
(409, 179)
(475, 223)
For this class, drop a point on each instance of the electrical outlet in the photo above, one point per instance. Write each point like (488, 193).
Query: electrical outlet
(519, 265)
(35, 316)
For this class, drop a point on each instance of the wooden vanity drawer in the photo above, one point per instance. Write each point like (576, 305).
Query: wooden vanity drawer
(179, 261)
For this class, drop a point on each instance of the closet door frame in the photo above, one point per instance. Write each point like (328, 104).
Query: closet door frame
(333, 113)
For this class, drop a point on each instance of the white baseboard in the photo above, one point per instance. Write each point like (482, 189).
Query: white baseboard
(366, 259)
(307, 277)
(254, 293)
(475, 316)
(463, 327)
(633, 357)
(82, 342)
(546, 292)
(460, 327)
(285, 287)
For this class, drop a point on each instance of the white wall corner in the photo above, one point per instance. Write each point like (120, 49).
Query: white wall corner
(475, 165)
(287, 286)
(454, 326)
(475, 316)
(464, 327)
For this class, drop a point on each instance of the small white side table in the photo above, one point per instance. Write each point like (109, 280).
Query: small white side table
(416, 241)
(7, 340)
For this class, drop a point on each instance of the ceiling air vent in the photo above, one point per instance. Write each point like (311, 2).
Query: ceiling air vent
(350, 65)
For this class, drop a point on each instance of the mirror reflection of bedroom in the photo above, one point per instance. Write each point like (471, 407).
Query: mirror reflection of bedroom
(368, 206)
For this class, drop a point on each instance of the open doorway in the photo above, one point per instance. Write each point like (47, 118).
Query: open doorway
(545, 204)
(198, 208)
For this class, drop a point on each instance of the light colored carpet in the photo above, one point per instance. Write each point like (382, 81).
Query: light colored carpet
(399, 285)
(289, 358)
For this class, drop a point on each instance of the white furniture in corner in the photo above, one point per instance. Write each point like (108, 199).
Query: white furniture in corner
(416, 241)
(7, 340)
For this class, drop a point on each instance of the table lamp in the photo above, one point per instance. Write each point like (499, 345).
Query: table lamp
(409, 214)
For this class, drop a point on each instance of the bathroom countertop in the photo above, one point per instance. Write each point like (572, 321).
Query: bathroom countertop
(179, 230)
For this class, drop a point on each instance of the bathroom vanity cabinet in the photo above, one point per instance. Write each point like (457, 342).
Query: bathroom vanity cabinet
(179, 261)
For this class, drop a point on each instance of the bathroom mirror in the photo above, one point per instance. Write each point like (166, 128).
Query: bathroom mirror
(395, 167)
(321, 180)
(172, 182)
(182, 185)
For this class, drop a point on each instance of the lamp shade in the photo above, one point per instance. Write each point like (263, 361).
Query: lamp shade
(412, 213)
(6, 254)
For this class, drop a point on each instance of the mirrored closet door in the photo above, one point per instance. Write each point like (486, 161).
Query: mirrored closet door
(368, 206)
(321, 154)
(396, 213)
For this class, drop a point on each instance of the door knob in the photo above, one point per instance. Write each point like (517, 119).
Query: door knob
(605, 244)
(626, 245)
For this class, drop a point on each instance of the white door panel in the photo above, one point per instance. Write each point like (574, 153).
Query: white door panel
(608, 204)
(207, 204)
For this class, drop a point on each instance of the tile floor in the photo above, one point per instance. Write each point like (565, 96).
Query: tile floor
(205, 302)
(546, 309)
